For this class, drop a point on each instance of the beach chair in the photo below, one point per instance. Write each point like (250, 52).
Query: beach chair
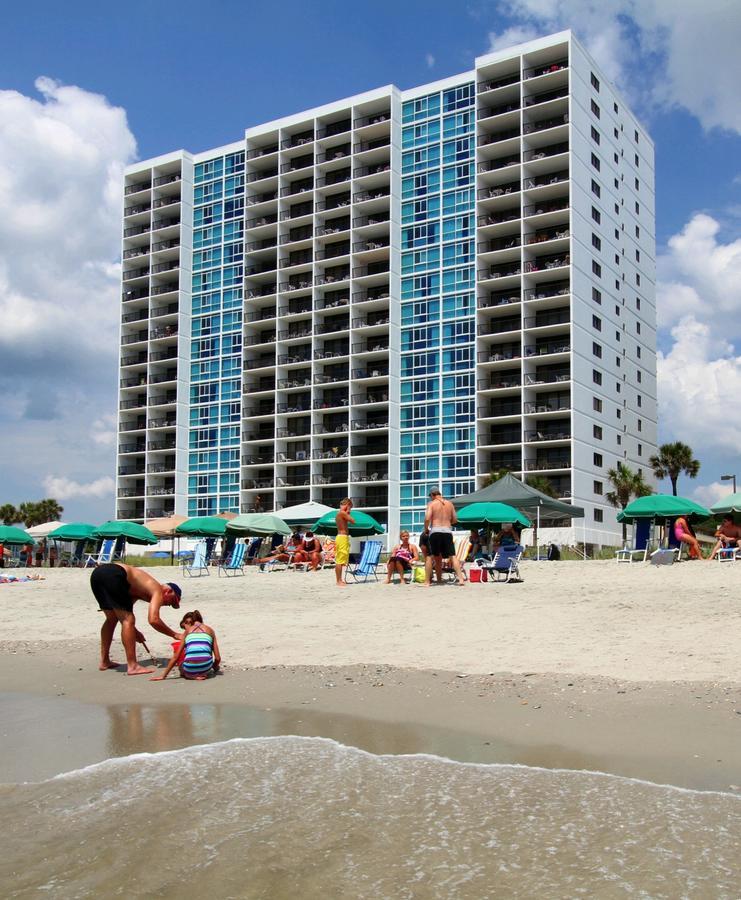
(462, 547)
(199, 564)
(253, 550)
(328, 552)
(235, 564)
(366, 567)
(728, 554)
(639, 553)
(104, 555)
(506, 564)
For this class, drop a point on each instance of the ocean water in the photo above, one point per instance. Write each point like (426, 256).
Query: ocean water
(282, 817)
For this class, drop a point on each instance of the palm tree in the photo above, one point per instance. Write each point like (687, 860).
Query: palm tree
(542, 484)
(627, 484)
(9, 515)
(495, 475)
(50, 509)
(672, 460)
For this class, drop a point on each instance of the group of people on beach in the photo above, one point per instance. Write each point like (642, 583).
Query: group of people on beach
(728, 537)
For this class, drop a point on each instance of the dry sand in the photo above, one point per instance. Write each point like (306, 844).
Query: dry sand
(627, 669)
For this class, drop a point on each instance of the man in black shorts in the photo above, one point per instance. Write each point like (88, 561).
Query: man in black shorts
(440, 517)
(117, 587)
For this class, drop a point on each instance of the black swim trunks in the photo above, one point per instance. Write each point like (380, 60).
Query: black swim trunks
(441, 544)
(111, 588)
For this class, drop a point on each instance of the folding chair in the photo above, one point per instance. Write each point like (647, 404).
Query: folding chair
(506, 564)
(368, 561)
(199, 564)
(104, 555)
(639, 553)
(463, 545)
(235, 564)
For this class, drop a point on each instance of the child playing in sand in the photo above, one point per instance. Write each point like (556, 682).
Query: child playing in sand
(197, 653)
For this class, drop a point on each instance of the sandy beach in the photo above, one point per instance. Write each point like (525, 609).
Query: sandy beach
(627, 669)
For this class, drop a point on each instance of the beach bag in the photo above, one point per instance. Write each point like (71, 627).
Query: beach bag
(418, 574)
(476, 575)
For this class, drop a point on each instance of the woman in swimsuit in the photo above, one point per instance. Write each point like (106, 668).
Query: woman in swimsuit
(401, 559)
(683, 534)
(198, 655)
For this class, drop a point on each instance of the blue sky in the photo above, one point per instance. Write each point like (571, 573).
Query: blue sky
(177, 76)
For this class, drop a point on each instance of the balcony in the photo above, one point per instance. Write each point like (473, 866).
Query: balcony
(130, 274)
(336, 176)
(546, 180)
(548, 434)
(546, 152)
(496, 137)
(258, 459)
(297, 164)
(374, 194)
(493, 84)
(300, 403)
(545, 124)
(292, 359)
(334, 226)
(161, 378)
(548, 289)
(164, 444)
(332, 325)
(160, 355)
(256, 199)
(373, 119)
(501, 326)
(298, 140)
(257, 152)
(559, 401)
(500, 436)
(544, 263)
(333, 251)
(363, 477)
(499, 190)
(134, 230)
(332, 276)
(499, 272)
(546, 375)
(501, 381)
(166, 201)
(297, 187)
(548, 234)
(543, 464)
(499, 353)
(546, 348)
(370, 371)
(499, 298)
(372, 294)
(545, 97)
(159, 468)
(297, 331)
(138, 337)
(370, 398)
(499, 217)
(164, 332)
(370, 424)
(260, 221)
(488, 112)
(499, 408)
(136, 251)
(546, 69)
(545, 319)
(138, 208)
(334, 154)
(159, 224)
(136, 188)
(503, 162)
(166, 266)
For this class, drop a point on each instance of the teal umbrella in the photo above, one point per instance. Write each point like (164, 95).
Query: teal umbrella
(662, 506)
(364, 526)
(74, 531)
(203, 526)
(478, 515)
(131, 531)
(257, 525)
(9, 534)
(729, 504)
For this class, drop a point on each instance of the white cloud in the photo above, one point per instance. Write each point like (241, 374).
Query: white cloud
(430, 60)
(61, 488)
(62, 155)
(708, 494)
(690, 48)
(699, 381)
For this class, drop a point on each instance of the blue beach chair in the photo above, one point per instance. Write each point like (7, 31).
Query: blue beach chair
(235, 564)
(104, 555)
(366, 567)
(199, 564)
(506, 564)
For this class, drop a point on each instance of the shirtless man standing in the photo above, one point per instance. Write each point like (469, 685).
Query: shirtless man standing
(440, 517)
(117, 587)
(342, 542)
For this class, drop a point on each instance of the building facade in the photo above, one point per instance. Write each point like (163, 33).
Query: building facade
(400, 290)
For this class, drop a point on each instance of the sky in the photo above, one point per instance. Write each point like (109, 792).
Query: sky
(87, 88)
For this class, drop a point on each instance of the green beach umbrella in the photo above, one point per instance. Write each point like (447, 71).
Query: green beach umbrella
(364, 526)
(9, 534)
(74, 531)
(729, 504)
(662, 506)
(131, 531)
(476, 515)
(203, 526)
(257, 525)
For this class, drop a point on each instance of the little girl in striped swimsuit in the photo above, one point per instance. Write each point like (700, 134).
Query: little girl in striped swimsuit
(198, 655)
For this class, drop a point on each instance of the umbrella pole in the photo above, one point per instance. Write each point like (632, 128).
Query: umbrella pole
(537, 529)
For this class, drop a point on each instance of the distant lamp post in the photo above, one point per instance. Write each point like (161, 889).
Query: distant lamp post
(729, 478)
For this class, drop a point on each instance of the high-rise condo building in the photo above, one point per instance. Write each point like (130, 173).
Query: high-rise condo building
(399, 290)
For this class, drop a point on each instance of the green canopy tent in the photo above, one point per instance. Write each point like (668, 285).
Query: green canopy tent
(364, 526)
(663, 506)
(729, 504)
(480, 515)
(10, 534)
(257, 525)
(203, 526)
(525, 498)
(125, 532)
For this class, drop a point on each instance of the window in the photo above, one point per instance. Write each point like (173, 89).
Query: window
(638, 255)
(598, 515)
(595, 81)
(596, 215)
(617, 259)
(637, 183)
(595, 109)
(639, 400)
(638, 327)
(617, 387)
(615, 107)
(619, 440)
(596, 268)
(597, 349)
(597, 487)
(596, 190)
(597, 459)
(595, 161)
(596, 376)
(617, 210)
(596, 242)
(640, 449)
(596, 404)
(640, 425)
(596, 295)
(638, 208)
(638, 279)
(616, 183)
(618, 413)
(616, 158)
(595, 135)
(597, 323)
(639, 376)
(616, 132)
(638, 162)
(597, 432)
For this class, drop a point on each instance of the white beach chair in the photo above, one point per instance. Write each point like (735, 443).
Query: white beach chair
(199, 564)
(104, 555)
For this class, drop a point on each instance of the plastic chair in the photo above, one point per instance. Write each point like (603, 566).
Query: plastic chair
(199, 564)
(235, 564)
(368, 561)
(104, 555)
(639, 553)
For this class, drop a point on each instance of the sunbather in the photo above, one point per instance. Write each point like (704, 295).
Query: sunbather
(401, 558)
(729, 535)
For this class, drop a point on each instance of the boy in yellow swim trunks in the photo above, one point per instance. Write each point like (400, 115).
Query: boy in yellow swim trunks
(343, 519)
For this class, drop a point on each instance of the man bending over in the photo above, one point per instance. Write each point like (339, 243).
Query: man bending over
(117, 587)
